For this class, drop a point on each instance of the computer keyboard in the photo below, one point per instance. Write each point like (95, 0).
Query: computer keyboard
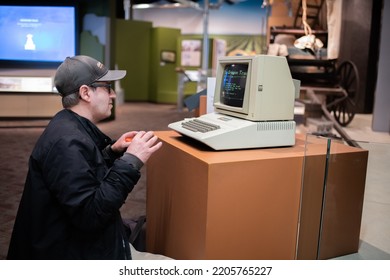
(222, 132)
(197, 125)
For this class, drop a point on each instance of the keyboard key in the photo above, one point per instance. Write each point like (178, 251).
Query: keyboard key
(197, 125)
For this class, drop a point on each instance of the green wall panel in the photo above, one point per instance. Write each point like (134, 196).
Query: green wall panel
(132, 53)
(163, 82)
(89, 45)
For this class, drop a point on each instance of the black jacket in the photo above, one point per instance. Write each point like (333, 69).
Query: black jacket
(74, 189)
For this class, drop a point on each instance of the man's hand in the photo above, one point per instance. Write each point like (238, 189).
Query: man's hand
(143, 145)
(123, 142)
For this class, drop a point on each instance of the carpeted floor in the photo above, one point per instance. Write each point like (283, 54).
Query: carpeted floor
(17, 139)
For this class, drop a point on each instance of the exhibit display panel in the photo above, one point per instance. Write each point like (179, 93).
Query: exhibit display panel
(28, 93)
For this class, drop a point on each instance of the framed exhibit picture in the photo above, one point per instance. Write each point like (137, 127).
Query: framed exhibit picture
(191, 53)
(168, 56)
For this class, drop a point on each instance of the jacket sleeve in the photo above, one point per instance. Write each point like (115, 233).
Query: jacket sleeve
(89, 192)
(109, 155)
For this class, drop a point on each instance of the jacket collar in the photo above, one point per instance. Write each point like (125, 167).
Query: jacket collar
(101, 140)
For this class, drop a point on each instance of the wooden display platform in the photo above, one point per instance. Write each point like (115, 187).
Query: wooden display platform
(253, 204)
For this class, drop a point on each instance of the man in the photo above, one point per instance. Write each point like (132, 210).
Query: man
(79, 178)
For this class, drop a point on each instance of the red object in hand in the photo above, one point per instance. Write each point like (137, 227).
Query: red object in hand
(128, 139)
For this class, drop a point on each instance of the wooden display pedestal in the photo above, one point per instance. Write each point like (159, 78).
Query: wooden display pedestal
(253, 204)
(28, 94)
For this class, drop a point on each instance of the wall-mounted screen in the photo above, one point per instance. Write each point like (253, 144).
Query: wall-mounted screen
(37, 34)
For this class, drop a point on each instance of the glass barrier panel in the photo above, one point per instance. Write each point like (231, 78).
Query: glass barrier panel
(344, 200)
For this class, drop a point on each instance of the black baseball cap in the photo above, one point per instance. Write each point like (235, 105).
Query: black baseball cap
(82, 70)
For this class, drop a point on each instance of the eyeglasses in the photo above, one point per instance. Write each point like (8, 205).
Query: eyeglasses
(107, 86)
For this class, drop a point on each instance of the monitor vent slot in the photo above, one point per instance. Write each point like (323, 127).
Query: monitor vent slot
(287, 125)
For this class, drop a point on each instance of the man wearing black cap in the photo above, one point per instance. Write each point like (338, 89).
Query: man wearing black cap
(78, 177)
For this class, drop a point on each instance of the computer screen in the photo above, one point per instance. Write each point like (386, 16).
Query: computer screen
(256, 88)
(37, 33)
(233, 84)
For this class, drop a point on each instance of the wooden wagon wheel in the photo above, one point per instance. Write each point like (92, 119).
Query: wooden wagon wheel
(348, 78)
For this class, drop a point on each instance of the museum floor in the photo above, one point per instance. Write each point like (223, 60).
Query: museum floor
(17, 138)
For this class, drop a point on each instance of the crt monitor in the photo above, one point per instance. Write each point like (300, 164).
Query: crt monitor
(255, 88)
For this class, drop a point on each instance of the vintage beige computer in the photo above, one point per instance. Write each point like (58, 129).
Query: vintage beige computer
(254, 105)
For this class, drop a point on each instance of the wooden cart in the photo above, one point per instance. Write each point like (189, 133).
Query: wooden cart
(334, 84)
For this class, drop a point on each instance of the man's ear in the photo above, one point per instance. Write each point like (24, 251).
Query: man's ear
(85, 93)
